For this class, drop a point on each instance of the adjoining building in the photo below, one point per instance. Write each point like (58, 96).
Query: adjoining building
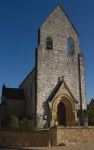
(55, 89)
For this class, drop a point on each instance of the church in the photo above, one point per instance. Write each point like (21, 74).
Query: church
(54, 91)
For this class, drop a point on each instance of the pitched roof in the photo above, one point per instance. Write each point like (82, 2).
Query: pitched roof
(30, 73)
(60, 82)
(13, 93)
(60, 6)
(55, 90)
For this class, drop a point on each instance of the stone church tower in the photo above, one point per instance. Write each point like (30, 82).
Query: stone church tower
(54, 90)
(61, 87)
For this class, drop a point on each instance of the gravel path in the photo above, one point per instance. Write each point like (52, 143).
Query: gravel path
(85, 146)
(82, 146)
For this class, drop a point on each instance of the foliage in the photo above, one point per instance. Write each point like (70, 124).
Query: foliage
(11, 122)
(91, 115)
(91, 112)
(26, 123)
(84, 114)
(83, 117)
(91, 109)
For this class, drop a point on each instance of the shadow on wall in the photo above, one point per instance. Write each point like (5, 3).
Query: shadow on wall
(46, 115)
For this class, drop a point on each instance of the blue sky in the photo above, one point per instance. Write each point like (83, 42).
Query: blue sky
(19, 23)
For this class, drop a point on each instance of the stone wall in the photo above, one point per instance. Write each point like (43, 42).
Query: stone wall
(71, 135)
(56, 136)
(57, 62)
(82, 80)
(29, 89)
(2, 111)
(15, 107)
(21, 139)
(12, 107)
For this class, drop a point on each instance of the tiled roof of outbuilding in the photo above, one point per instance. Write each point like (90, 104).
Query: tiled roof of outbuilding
(13, 93)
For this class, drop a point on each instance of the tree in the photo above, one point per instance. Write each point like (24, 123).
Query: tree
(91, 112)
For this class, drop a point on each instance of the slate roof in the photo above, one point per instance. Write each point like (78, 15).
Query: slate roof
(31, 72)
(13, 93)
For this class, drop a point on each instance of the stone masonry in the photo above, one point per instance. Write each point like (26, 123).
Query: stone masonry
(58, 62)
(55, 89)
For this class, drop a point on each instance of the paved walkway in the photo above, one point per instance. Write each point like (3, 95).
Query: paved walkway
(85, 146)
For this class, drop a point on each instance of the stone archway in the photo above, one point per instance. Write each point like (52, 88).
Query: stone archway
(63, 111)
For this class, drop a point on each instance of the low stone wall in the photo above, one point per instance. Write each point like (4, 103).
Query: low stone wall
(56, 136)
(62, 135)
(20, 139)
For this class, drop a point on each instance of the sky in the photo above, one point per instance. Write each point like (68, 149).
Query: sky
(19, 23)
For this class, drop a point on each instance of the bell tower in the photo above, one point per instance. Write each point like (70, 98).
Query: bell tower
(58, 55)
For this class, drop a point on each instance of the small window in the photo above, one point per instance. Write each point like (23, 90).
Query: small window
(49, 43)
(70, 45)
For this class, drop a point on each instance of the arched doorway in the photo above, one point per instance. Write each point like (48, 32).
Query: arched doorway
(63, 111)
(61, 114)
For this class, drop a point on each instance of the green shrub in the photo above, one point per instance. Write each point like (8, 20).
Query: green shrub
(91, 117)
(26, 123)
(11, 122)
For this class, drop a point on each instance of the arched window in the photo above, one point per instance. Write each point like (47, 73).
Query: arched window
(49, 43)
(70, 45)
